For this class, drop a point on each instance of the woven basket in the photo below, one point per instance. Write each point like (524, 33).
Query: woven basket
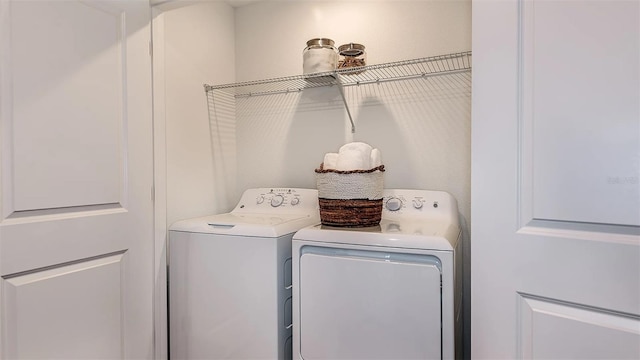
(350, 198)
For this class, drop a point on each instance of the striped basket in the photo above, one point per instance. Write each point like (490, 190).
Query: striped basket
(350, 198)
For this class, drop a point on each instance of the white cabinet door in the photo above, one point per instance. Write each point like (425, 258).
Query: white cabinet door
(76, 167)
(555, 232)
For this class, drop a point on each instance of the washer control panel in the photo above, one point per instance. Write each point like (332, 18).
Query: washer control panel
(422, 203)
(277, 199)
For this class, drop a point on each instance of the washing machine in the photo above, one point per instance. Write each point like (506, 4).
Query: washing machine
(387, 292)
(230, 277)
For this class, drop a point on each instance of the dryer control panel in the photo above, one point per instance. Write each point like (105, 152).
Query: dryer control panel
(418, 203)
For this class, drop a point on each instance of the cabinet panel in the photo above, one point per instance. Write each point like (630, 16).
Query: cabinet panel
(81, 304)
(581, 110)
(67, 100)
(596, 334)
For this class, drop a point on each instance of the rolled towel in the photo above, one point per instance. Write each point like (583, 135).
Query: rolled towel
(330, 161)
(360, 146)
(355, 150)
(353, 160)
(376, 158)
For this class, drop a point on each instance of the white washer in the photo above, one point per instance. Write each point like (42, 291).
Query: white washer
(387, 292)
(230, 277)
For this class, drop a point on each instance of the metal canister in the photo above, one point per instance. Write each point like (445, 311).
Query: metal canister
(352, 55)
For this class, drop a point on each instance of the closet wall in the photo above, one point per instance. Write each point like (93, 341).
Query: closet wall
(271, 35)
(198, 47)
(422, 126)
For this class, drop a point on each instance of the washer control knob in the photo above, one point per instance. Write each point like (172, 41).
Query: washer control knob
(260, 199)
(393, 204)
(417, 203)
(295, 201)
(277, 200)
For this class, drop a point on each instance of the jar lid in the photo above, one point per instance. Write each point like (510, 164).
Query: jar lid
(351, 49)
(320, 42)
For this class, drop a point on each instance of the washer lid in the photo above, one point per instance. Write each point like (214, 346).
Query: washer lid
(409, 234)
(245, 224)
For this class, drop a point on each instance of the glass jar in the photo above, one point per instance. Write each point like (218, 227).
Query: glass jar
(319, 56)
(352, 55)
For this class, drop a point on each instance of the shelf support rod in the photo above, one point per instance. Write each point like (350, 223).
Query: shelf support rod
(344, 100)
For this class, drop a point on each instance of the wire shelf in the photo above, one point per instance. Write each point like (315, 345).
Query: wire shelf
(400, 70)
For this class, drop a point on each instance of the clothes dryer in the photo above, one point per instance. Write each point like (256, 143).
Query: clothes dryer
(230, 277)
(387, 292)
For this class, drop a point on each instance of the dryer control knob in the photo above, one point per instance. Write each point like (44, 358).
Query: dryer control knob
(393, 204)
(277, 200)
(260, 199)
(295, 201)
(417, 204)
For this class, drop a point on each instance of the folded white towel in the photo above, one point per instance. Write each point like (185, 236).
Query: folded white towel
(376, 158)
(360, 146)
(330, 161)
(353, 160)
(353, 156)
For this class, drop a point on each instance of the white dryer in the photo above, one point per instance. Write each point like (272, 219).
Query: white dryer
(387, 292)
(230, 277)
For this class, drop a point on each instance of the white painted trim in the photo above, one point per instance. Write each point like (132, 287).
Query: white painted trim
(6, 112)
(6, 99)
(161, 329)
(525, 112)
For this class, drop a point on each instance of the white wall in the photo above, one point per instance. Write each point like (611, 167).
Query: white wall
(271, 35)
(198, 48)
